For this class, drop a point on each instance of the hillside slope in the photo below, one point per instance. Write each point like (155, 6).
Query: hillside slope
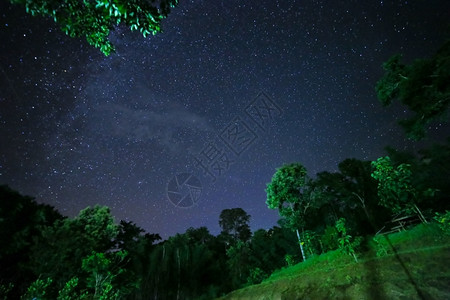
(412, 264)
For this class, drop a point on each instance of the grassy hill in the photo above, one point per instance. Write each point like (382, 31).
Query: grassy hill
(413, 264)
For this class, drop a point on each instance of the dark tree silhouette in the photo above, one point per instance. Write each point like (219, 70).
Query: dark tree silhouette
(234, 222)
(423, 86)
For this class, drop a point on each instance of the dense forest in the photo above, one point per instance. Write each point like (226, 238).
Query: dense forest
(44, 255)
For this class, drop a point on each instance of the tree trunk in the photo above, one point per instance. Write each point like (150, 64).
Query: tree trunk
(298, 236)
(422, 218)
(363, 206)
(301, 246)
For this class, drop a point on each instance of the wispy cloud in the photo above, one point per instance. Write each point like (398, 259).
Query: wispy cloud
(169, 129)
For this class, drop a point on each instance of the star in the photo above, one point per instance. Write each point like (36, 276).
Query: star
(80, 129)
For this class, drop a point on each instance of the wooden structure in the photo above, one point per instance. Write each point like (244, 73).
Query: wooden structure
(400, 223)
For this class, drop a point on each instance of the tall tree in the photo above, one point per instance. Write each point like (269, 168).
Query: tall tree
(423, 86)
(362, 191)
(95, 19)
(234, 222)
(290, 193)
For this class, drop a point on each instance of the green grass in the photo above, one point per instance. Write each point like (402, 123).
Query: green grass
(412, 264)
(325, 262)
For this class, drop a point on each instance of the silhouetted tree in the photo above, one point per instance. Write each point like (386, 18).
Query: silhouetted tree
(139, 246)
(350, 192)
(430, 170)
(234, 222)
(21, 221)
(423, 86)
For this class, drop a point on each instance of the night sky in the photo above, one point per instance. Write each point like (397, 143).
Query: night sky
(228, 92)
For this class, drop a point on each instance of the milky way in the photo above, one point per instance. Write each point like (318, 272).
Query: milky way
(81, 129)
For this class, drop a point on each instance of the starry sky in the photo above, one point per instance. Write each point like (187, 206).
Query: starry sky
(174, 128)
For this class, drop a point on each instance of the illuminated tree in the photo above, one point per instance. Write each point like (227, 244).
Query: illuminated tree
(290, 193)
(395, 187)
(95, 19)
(102, 270)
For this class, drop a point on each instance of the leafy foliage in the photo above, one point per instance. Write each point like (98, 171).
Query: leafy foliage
(329, 239)
(346, 242)
(69, 291)
(430, 169)
(289, 260)
(395, 187)
(238, 260)
(443, 219)
(95, 19)
(92, 257)
(422, 86)
(256, 276)
(311, 242)
(269, 248)
(290, 193)
(380, 246)
(37, 290)
(46, 256)
(286, 193)
(350, 193)
(234, 222)
(61, 248)
(103, 270)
